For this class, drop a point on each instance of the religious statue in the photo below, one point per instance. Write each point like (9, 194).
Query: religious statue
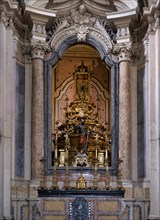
(81, 139)
(83, 132)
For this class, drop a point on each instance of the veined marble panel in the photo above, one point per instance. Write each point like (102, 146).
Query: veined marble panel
(141, 120)
(20, 107)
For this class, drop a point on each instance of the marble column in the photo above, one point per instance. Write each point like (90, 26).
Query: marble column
(125, 113)
(28, 105)
(37, 109)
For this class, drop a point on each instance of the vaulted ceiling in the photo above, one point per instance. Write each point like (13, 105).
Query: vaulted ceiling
(99, 7)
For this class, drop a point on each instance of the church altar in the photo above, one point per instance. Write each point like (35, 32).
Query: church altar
(80, 204)
(83, 186)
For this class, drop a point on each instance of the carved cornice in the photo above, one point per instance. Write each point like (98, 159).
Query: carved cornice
(15, 24)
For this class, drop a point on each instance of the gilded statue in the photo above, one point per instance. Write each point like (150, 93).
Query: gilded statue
(83, 132)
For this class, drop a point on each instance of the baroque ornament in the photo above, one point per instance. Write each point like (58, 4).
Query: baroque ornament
(81, 24)
(82, 32)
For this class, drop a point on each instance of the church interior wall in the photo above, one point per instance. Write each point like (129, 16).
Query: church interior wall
(18, 191)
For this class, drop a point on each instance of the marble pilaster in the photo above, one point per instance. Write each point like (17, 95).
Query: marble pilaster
(2, 68)
(153, 117)
(37, 110)
(6, 85)
(125, 112)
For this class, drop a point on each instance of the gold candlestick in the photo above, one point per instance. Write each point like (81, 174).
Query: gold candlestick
(54, 177)
(95, 182)
(107, 182)
(66, 182)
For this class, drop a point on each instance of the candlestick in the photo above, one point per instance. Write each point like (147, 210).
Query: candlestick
(54, 177)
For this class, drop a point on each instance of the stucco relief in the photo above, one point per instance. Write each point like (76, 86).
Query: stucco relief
(81, 24)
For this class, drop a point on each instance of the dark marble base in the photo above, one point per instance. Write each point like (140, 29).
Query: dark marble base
(74, 192)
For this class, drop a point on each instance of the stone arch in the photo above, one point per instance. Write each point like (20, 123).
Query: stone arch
(106, 56)
(70, 41)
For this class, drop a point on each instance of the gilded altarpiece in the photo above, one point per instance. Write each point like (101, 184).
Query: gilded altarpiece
(73, 78)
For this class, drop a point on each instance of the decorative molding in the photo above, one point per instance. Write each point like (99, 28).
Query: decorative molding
(64, 29)
(104, 39)
(6, 20)
(36, 49)
(103, 25)
(125, 54)
(37, 52)
(60, 23)
(39, 29)
(157, 20)
(128, 52)
(123, 31)
(81, 24)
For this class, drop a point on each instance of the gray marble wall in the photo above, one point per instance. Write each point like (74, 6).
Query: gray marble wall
(20, 106)
(141, 122)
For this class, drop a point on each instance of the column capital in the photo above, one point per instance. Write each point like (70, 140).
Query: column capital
(38, 44)
(156, 20)
(6, 20)
(38, 49)
(124, 53)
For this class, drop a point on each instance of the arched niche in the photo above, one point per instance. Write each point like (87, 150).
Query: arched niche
(49, 64)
